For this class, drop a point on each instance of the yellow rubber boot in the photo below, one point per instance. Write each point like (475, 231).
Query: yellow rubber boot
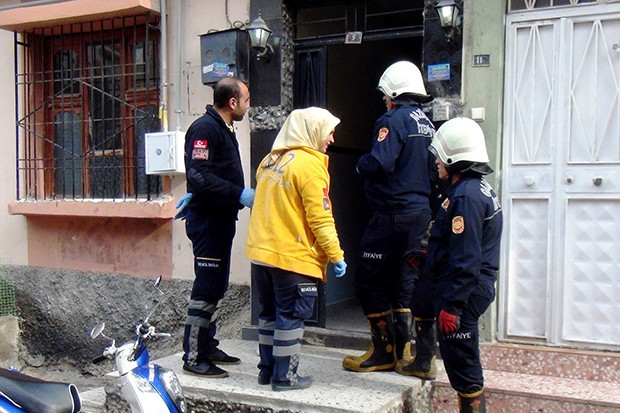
(472, 402)
(402, 329)
(380, 355)
(424, 363)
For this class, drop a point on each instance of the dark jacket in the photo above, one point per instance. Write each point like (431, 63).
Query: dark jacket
(464, 244)
(399, 166)
(213, 167)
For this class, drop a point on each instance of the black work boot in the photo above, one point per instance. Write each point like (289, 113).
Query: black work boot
(402, 330)
(424, 364)
(472, 402)
(380, 355)
(205, 369)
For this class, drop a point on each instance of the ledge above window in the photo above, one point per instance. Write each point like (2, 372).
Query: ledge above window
(24, 17)
(159, 209)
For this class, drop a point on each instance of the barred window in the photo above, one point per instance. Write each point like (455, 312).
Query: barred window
(86, 95)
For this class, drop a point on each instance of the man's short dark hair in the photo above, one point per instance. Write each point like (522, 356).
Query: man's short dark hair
(225, 89)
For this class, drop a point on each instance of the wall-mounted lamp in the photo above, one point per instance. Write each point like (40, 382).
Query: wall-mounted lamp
(449, 17)
(259, 34)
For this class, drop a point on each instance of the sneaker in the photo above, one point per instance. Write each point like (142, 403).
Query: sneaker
(301, 383)
(205, 369)
(263, 379)
(219, 357)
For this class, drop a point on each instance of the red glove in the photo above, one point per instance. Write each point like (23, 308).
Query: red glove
(415, 257)
(448, 322)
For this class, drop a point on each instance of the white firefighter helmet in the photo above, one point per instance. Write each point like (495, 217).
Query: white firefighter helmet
(461, 141)
(403, 77)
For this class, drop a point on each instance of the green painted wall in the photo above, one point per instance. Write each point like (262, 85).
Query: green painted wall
(483, 34)
(483, 87)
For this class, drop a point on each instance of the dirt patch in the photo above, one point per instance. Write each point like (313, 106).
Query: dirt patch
(57, 309)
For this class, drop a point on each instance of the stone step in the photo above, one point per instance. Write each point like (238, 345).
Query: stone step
(555, 362)
(531, 379)
(334, 390)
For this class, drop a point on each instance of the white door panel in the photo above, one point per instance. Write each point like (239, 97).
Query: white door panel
(560, 275)
(529, 267)
(592, 279)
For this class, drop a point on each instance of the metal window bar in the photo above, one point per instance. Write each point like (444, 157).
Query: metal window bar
(94, 155)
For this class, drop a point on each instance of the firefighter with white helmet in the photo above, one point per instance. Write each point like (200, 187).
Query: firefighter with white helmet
(397, 176)
(463, 254)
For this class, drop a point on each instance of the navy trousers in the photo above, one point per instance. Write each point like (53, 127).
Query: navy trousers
(212, 244)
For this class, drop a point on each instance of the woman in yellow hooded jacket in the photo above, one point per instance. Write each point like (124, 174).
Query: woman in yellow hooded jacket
(292, 236)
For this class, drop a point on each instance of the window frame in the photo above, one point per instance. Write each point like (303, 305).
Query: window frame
(39, 105)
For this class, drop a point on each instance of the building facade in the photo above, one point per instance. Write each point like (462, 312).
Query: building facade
(88, 79)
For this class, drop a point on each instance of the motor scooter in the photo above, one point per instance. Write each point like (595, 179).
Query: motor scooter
(20, 393)
(147, 387)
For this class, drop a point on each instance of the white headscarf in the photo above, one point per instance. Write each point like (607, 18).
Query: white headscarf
(308, 127)
(303, 128)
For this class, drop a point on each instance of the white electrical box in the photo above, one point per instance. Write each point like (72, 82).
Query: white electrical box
(164, 153)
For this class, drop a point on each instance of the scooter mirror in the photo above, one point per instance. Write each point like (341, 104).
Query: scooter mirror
(97, 330)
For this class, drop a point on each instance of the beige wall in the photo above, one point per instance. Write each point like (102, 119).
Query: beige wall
(124, 241)
(13, 242)
(199, 17)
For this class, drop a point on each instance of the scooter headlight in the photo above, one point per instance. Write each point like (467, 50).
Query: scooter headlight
(173, 388)
(142, 384)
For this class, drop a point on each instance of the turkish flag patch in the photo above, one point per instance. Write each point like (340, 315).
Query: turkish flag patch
(201, 144)
(200, 149)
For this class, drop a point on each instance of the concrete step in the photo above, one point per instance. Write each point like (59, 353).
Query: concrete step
(334, 390)
(530, 379)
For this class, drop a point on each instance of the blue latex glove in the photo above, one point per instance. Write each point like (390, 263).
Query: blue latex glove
(247, 197)
(182, 206)
(340, 268)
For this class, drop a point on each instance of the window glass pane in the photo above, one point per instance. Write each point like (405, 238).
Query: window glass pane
(105, 96)
(146, 61)
(146, 121)
(67, 155)
(106, 176)
(66, 72)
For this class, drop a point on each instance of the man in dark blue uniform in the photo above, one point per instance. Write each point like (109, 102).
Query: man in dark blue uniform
(397, 186)
(463, 255)
(216, 184)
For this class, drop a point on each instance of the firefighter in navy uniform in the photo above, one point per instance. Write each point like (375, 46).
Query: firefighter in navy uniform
(397, 173)
(216, 193)
(463, 254)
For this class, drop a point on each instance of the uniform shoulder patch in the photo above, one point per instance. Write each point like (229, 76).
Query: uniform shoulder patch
(445, 204)
(458, 225)
(200, 149)
(383, 133)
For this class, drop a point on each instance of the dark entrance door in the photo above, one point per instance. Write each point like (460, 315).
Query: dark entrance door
(343, 78)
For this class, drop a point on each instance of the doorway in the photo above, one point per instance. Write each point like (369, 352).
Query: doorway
(343, 78)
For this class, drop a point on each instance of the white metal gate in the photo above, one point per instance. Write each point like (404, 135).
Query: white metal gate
(560, 275)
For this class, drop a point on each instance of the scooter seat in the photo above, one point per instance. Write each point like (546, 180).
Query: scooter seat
(39, 396)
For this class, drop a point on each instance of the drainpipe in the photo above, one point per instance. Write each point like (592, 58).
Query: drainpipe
(163, 108)
(177, 83)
